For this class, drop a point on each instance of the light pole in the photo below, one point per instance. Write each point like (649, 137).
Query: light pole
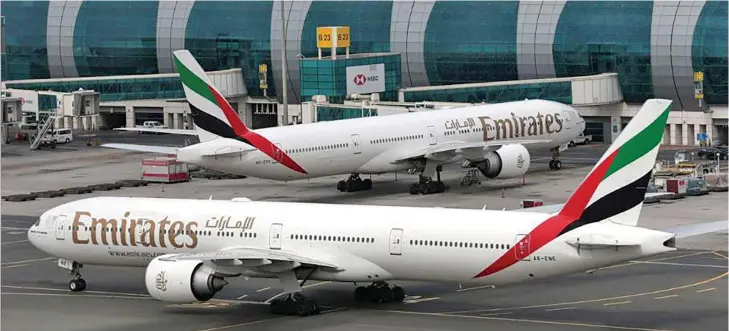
(284, 68)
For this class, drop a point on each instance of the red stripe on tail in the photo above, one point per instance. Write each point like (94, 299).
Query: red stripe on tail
(548, 230)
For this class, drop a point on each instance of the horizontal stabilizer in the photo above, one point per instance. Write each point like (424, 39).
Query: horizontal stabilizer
(168, 131)
(698, 229)
(596, 241)
(144, 148)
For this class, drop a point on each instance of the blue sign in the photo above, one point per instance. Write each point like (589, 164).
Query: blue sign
(702, 136)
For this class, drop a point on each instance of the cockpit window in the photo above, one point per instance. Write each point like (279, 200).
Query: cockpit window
(37, 222)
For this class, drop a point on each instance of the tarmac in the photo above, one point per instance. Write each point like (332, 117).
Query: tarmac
(681, 290)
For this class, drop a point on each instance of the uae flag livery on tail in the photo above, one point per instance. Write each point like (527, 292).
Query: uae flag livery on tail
(214, 117)
(614, 189)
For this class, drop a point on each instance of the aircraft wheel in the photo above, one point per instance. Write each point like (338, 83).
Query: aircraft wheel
(360, 294)
(551, 164)
(423, 188)
(557, 164)
(367, 184)
(77, 285)
(386, 294)
(341, 186)
(414, 189)
(305, 308)
(398, 294)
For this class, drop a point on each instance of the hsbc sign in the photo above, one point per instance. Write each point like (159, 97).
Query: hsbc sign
(366, 79)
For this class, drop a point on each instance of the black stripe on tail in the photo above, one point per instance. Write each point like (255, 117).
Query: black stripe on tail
(214, 125)
(614, 203)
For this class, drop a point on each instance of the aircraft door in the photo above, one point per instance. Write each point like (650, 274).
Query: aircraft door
(357, 148)
(274, 237)
(432, 138)
(61, 227)
(522, 249)
(396, 242)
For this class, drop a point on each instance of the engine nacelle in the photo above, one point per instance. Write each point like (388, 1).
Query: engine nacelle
(183, 281)
(509, 161)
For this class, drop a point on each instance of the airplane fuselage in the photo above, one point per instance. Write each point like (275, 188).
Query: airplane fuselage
(400, 243)
(369, 145)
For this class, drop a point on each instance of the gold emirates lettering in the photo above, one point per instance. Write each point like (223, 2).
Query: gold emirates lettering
(525, 126)
(130, 232)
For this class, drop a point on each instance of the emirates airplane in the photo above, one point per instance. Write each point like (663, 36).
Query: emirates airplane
(191, 248)
(493, 138)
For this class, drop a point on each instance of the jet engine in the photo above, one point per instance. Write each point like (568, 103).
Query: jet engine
(509, 161)
(182, 281)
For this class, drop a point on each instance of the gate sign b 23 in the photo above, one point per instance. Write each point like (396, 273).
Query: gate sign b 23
(366, 79)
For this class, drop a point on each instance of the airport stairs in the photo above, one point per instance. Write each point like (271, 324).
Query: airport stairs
(38, 138)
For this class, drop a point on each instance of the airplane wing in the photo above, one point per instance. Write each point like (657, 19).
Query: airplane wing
(450, 149)
(144, 148)
(169, 131)
(248, 257)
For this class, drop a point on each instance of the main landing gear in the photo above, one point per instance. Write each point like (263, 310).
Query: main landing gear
(76, 284)
(294, 301)
(379, 292)
(426, 185)
(555, 163)
(354, 184)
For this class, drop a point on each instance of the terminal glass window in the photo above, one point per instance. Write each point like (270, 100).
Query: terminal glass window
(559, 92)
(471, 41)
(594, 37)
(709, 51)
(233, 34)
(25, 53)
(116, 38)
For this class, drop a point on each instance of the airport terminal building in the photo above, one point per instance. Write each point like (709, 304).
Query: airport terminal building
(604, 57)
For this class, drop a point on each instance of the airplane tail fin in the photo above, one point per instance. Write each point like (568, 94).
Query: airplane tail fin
(614, 189)
(212, 114)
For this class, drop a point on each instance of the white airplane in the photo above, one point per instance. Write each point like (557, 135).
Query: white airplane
(491, 138)
(190, 247)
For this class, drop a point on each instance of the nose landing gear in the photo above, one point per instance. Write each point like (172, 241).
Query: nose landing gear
(77, 284)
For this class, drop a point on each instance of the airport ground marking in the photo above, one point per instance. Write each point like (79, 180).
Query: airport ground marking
(15, 242)
(495, 314)
(706, 290)
(65, 290)
(475, 288)
(14, 266)
(634, 295)
(719, 254)
(303, 287)
(507, 319)
(563, 308)
(632, 263)
(26, 261)
(420, 300)
(686, 264)
(224, 327)
(77, 295)
(617, 303)
(665, 297)
(242, 297)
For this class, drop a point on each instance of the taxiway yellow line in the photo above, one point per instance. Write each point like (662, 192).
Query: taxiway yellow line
(706, 281)
(76, 295)
(25, 261)
(584, 325)
(722, 255)
(631, 263)
(65, 290)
